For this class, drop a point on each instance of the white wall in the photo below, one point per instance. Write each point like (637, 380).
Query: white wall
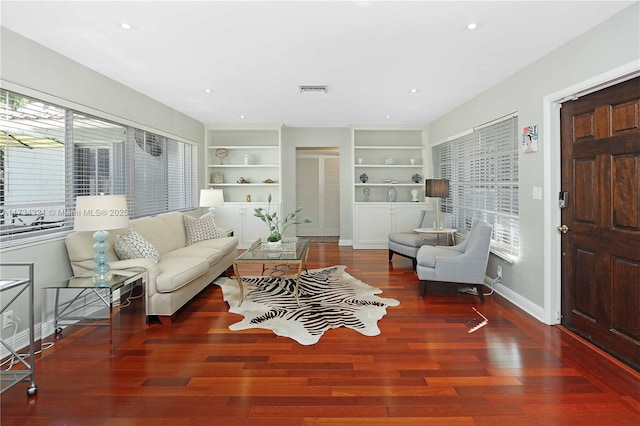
(31, 69)
(613, 44)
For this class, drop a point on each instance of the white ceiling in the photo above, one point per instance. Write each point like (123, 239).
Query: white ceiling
(254, 55)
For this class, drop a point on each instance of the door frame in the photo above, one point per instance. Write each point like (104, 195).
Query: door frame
(552, 184)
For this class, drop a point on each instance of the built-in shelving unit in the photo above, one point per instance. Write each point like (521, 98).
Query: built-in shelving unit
(390, 159)
(393, 162)
(245, 162)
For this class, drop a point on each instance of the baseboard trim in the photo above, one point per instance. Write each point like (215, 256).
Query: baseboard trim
(522, 303)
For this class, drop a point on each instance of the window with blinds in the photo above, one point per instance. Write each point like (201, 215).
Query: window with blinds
(50, 155)
(482, 169)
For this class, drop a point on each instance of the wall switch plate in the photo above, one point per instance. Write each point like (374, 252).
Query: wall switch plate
(6, 316)
(537, 193)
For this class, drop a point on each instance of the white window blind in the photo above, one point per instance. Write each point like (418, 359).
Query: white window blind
(165, 174)
(32, 166)
(482, 169)
(50, 155)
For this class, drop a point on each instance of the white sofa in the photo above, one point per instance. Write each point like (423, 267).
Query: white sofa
(182, 270)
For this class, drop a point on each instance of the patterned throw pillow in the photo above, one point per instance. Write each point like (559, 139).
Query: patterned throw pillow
(202, 228)
(132, 246)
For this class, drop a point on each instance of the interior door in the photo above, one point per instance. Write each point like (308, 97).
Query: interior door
(318, 192)
(600, 148)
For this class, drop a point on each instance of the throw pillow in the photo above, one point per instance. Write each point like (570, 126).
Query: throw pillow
(201, 228)
(132, 246)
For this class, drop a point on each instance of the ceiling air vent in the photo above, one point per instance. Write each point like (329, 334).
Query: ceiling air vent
(312, 89)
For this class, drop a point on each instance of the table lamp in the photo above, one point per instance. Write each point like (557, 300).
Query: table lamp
(211, 198)
(437, 188)
(100, 213)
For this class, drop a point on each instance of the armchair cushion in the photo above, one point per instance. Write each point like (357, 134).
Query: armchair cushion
(428, 257)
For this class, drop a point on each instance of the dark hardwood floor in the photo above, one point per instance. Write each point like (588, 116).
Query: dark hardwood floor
(424, 368)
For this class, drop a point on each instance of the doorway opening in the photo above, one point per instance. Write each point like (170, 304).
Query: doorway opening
(318, 191)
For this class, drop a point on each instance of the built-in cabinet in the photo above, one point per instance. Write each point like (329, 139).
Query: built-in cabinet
(388, 180)
(240, 217)
(245, 162)
(374, 222)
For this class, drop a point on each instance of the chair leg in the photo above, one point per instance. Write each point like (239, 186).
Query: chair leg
(414, 261)
(422, 288)
(480, 291)
(390, 255)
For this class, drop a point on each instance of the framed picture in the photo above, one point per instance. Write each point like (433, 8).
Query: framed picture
(217, 177)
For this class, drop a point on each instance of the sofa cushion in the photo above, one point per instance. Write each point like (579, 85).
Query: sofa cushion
(224, 244)
(211, 255)
(132, 246)
(176, 225)
(178, 272)
(201, 228)
(157, 232)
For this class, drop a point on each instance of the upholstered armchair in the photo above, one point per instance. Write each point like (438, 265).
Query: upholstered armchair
(407, 243)
(462, 264)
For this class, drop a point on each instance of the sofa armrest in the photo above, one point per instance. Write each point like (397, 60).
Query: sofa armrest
(149, 265)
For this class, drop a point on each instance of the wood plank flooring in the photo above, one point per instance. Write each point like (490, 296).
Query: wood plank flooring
(425, 368)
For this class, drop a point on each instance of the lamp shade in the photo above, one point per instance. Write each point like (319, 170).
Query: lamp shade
(211, 197)
(101, 213)
(437, 188)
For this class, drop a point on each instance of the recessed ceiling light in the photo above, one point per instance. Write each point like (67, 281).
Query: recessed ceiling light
(388, 116)
(472, 26)
(242, 116)
(208, 91)
(413, 90)
(125, 25)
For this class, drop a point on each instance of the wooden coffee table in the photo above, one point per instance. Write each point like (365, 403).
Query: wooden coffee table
(280, 260)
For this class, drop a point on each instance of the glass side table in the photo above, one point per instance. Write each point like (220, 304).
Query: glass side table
(77, 301)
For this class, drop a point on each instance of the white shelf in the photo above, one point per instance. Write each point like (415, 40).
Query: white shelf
(391, 184)
(390, 166)
(240, 147)
(262, 145)
(241, 166)
(391, 147)
(244, 184)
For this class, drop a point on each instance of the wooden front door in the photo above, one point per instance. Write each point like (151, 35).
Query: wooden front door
(601, 243)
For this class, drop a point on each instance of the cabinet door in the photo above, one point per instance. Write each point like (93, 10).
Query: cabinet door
(228, 216)
(404, 218)
(372, 224)
(253, 227)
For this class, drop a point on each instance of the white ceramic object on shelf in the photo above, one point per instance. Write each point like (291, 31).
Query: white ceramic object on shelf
(392, 194)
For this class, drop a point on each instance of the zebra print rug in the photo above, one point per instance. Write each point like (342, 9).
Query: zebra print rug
(329, 298)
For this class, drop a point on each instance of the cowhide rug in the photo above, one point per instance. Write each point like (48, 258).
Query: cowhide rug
(329, 298)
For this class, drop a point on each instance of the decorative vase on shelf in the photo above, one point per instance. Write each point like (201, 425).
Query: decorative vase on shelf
(367, 193)
(414, 195)
(392, 194)
(359, 160)
(364, 178)
(413, 161)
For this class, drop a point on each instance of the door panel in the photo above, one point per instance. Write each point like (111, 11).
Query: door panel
(601, 251)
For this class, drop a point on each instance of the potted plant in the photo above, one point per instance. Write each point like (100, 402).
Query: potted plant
(276, 225)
